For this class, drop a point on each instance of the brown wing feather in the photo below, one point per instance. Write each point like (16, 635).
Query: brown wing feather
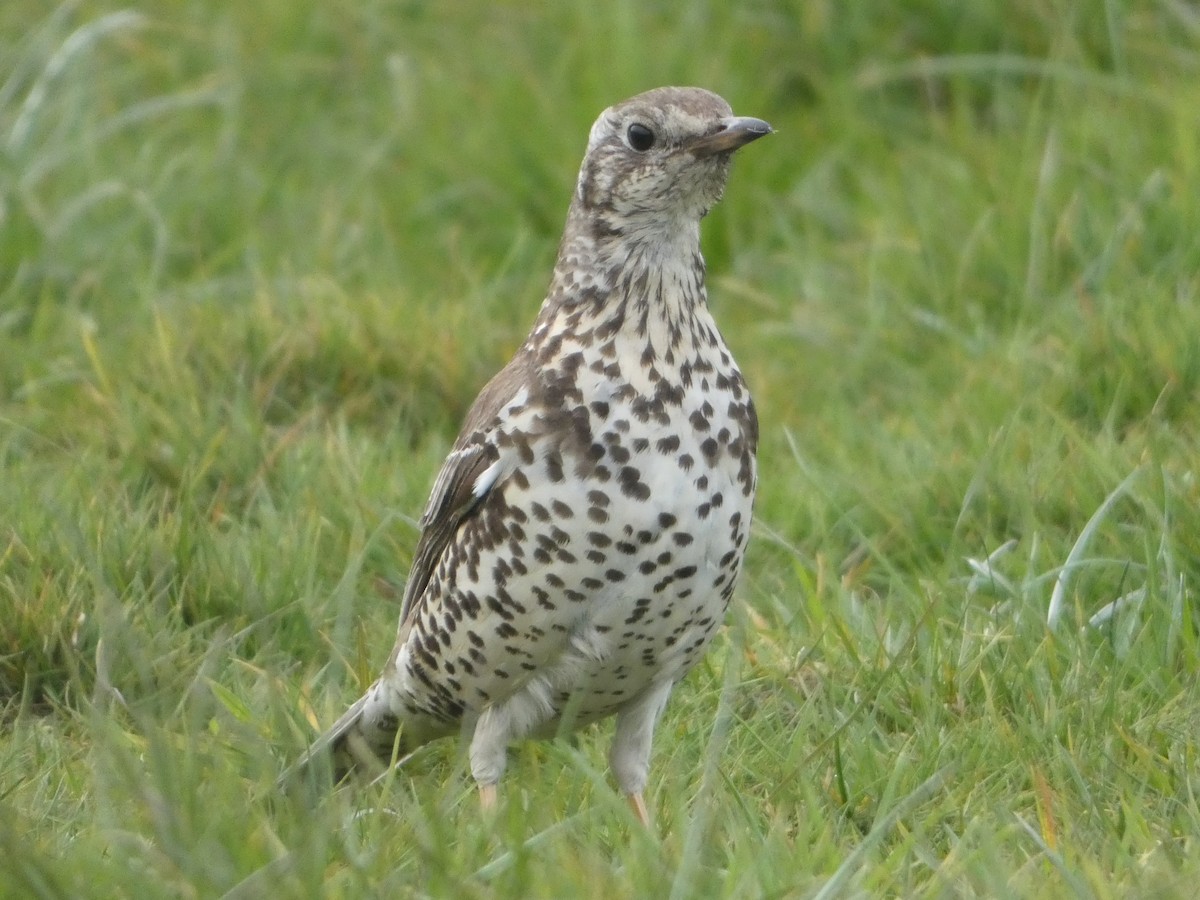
(453, 498)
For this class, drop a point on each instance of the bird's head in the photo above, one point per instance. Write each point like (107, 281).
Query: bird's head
(659, 161)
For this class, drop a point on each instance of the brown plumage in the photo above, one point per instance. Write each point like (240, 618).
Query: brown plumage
(582, 540)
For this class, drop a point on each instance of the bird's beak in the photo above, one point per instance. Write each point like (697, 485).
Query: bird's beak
(734, 132)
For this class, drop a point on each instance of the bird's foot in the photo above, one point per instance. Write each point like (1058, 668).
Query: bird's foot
(487, 797)
(638, 805)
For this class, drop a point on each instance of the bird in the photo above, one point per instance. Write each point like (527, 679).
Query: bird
(583, 538)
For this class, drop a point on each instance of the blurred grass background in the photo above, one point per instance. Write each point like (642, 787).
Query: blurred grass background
(255, 262)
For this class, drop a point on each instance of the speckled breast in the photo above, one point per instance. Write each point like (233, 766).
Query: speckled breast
(604, 560)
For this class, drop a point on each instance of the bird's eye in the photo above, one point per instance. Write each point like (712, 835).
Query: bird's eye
(640, 137)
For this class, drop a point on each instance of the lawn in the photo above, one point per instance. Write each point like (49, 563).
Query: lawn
(256, 259)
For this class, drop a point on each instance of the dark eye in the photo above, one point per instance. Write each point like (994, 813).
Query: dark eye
(640, 137)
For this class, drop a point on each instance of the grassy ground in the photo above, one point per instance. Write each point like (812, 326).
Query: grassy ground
(255, 261)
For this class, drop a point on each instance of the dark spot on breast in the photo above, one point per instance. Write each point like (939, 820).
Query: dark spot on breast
(554, 466)
(631, 485)
(667, 444)
(523, 449)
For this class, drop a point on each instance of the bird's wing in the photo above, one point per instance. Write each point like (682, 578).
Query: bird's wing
(473, 469)
(453, 499)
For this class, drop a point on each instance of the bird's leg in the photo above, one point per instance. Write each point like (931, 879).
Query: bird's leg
(630, 754)
(489, 753)
(487, 797)
(638, 805)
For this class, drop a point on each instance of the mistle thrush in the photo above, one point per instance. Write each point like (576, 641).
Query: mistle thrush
(582, 540)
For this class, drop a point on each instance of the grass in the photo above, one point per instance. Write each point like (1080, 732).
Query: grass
(255, 261)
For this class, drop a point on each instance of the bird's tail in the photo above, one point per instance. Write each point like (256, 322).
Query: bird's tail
(362, 741)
